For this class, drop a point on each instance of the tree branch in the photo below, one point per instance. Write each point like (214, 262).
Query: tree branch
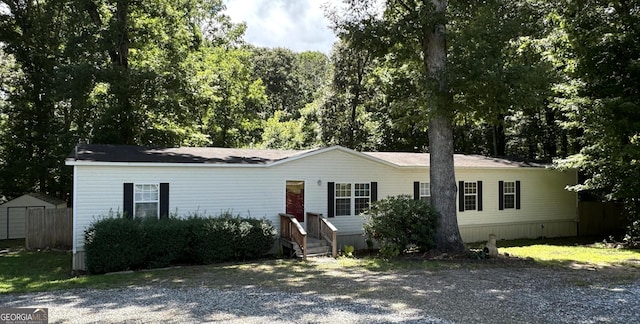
(92, 10)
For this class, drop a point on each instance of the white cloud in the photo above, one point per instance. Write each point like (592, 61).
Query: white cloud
(299, 25)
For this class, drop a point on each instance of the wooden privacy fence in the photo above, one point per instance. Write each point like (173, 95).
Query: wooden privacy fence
(49, 228)
(601, 218)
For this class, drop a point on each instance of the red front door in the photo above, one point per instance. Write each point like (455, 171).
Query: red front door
(295, 199)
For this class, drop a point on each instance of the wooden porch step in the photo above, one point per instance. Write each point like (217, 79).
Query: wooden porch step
(311, 243)
(315, 247)
(320, 250)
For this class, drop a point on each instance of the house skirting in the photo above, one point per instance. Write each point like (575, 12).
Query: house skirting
(480, 233)
(355, 239)
(521, 230)
(78, 261)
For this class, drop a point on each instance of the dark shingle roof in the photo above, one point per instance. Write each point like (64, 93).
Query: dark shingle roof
(216, 155)
(459, 160)
(49, 199)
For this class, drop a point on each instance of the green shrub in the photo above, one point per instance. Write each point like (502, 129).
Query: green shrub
(213, 241)
(256, 237)
(400, 221)
(632, 235)
(348, 251)
(165, 241)
(231, 238)
(113, 244)
(116, 244)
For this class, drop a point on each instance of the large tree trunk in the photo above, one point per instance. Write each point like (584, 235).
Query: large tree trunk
(442, 175)
(443, 184)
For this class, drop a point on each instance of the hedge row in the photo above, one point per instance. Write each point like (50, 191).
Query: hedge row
(117, 244)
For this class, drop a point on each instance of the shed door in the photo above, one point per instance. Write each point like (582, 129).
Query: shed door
(295, 199)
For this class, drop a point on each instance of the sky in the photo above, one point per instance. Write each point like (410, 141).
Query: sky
(299, 25)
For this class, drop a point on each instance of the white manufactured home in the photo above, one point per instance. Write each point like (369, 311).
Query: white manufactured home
(506, 198)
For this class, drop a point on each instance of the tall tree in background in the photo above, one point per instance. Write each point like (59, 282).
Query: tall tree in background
(144, 44)
(226, 101)
(278, 71)
(312, 68)
(109, 72)
(344, 116)
(605, 38)
(503, 79)
(415, 31)
(292, 82)
(33, 34)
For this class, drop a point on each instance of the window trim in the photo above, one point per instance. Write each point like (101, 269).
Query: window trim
(355, 196)
(462, 194)
(421, 195)
(337, 187)
(372, 189)
(502, 194)
(474, 194)
(512, 185)
(135, 201)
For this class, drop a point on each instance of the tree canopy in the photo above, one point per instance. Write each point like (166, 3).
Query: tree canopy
(528, 79)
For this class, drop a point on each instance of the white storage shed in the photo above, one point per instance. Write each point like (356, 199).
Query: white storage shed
(14, 212)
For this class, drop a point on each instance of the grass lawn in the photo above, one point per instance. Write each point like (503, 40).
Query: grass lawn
(43, 271)
(571, 252)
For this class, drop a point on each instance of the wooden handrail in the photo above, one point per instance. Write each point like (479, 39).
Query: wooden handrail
(321, 228)
(290, 229)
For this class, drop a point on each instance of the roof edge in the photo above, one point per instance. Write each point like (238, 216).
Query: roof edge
(334, 148)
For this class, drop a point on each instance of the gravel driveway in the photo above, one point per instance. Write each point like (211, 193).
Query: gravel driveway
(484, 295)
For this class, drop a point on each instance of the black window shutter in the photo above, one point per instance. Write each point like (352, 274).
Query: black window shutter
(500, 195)
(479, 195)
(460, 195)
(517, 194)
(416, 190)
(374, 191)
(164, 200)
(331, 210)
(127, 204)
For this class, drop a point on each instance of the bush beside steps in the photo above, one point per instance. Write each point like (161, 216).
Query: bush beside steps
(119, 244)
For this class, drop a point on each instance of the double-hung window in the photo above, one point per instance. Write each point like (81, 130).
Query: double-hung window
(362, 197)
(351, 198)
(343, 199)
(425, 192)
(422, 191)
(470, 195)
(508, 195)
(146, 201)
